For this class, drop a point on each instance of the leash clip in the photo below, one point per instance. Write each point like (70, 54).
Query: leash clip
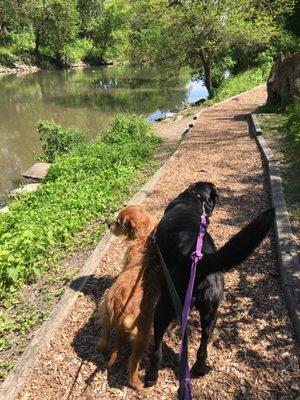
(196, 254)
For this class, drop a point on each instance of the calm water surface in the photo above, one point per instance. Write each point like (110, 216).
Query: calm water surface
(86, 98)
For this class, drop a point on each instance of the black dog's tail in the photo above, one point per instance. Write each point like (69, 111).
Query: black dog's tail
(240, 246)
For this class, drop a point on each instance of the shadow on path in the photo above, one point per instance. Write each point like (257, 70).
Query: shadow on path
(84, 342)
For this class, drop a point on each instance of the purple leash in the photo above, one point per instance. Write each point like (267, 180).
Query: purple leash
(184, 371)
(184, 391)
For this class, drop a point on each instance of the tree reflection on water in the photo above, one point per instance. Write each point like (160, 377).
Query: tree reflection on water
(87, 98)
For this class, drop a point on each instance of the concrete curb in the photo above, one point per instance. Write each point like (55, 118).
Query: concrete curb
(288, 261)
(12, 384)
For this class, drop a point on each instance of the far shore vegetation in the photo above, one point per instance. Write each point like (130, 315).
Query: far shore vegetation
(212, 37)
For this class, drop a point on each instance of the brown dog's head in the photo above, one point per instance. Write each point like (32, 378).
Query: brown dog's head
(133, 222)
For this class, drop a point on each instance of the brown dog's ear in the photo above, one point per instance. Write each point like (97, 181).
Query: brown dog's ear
(129, 227)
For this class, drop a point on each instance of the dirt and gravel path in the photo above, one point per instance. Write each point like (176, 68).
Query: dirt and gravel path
(253, 352)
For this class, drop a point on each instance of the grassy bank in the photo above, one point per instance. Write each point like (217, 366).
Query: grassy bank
(241, 82)
(86, 184)
(282, 132)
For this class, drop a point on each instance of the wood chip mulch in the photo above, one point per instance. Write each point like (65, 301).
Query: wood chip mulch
(253, 352)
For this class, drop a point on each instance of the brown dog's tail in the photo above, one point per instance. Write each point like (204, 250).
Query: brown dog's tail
(240, 246)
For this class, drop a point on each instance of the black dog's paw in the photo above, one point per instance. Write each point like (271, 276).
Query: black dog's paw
(199, 370)
(150, 379)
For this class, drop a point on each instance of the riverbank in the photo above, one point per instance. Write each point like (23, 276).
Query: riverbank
(26, 309)
(22, 68)
(18, 68)
(46, 234)
(253, 352)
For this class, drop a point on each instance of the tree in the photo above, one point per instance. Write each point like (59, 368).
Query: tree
(292, 21)
(210, 28)
(11, 15)
(147, 30)
(61, 26)
(89, 13)
(208, 32)
(54, 22)
(110, 29)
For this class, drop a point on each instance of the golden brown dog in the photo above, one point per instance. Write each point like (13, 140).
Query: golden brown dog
(128, 305)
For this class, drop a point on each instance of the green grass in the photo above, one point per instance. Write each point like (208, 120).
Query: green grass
(92, 180)
(282, 131)
(241, 82)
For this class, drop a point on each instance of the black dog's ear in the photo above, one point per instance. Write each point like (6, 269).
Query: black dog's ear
(211, 198)
(215, 195)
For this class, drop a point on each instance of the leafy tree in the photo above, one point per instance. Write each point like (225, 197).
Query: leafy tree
(110, 30)
(54, 23)
(147, 30)
(11, 15)
(292, 21)
(89, 13)
(210, 33)
(61, 26)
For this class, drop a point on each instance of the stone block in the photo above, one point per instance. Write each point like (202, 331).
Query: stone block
(37, 172)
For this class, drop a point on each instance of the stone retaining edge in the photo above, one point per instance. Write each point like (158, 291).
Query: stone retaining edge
(288, 260)
(12, 384)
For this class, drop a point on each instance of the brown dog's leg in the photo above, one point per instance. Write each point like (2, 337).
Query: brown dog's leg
(117, 350)
(139, 345)
(102, 344)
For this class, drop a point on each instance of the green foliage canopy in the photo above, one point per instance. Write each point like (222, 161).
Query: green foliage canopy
(211, 36)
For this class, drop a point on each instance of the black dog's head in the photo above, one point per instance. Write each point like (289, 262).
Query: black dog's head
(207, 193)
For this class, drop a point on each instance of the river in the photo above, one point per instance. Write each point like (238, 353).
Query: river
(86, 98)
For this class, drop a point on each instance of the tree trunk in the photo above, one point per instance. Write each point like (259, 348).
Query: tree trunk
(3, 30)
(206, 60)
(37, 43)
(284, 80)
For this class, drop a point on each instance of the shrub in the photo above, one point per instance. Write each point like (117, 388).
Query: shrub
(292, 124)
(92, 181)
(77, 51)
(57, 140)
(93, 56)
(6, 58)
(236, 84)
(125, 127)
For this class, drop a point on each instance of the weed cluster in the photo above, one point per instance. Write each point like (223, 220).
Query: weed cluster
(57, 141)
(92, 180)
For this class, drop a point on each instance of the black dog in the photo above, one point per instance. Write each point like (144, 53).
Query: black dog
(176, 236)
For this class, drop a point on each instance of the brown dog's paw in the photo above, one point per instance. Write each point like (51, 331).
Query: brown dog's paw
(200, 370)
(136, 384)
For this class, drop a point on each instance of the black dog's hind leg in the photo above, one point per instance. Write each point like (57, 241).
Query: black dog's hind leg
(207, 305)
(164, 313)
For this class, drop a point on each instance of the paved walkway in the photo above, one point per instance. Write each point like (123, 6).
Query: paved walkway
(253, 351)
